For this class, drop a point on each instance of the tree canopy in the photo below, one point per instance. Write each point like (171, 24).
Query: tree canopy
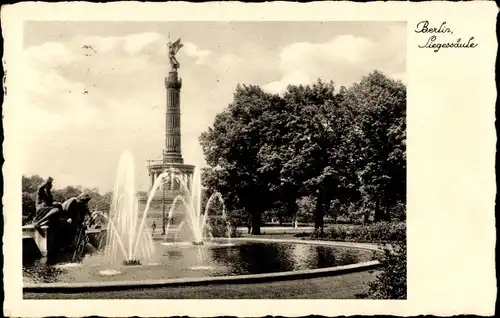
(345, 149)
(232, 146)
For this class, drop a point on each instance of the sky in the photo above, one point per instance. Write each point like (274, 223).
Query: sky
(96, 89)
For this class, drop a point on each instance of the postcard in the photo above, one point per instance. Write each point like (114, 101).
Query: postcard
(237, 159)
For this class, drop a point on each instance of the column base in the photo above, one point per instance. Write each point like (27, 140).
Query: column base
(173, 158)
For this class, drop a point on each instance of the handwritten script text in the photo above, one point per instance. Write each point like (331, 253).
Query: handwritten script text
(439, 37)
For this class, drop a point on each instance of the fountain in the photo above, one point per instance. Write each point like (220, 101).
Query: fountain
(129, 243)
(196, 219)
(196, 223)
(126, 239)
(132, 255)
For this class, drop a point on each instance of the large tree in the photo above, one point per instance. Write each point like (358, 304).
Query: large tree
(31, 184)
(308, 155)
(231, 146)
(67, 192)
(378, 142)
(29, 188)
(345, 150)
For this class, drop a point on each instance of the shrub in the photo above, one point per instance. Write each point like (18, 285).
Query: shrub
(320, 235)
(345, 220)
(302, 234)
(372, 233)
(28, 205)
(391, 281)
(219, 228)
(398, 212)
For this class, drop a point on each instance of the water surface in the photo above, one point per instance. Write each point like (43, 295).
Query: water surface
(186, 261)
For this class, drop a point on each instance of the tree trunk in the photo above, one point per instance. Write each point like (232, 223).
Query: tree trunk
(249, 224)
(256, 222)
(326, 205)
(292, 209)
(319, 213)
(379, 213)
(387, 215)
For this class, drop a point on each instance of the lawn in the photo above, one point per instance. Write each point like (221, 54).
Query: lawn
(337, 287)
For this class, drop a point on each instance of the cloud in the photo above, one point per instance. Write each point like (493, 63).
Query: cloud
(91, 97)
(401, 76)
(94, 44)
(92, 72)
(296, 77)
(50, 102)
(345, 48)
(344, 60)
(103, 94)
(48, 53)
(193, 51)
(145, 43)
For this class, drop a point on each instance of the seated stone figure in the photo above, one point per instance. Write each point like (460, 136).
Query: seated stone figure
(46, 208)
(75, 209)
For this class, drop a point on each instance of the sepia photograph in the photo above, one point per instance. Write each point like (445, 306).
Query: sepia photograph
(215, 160)
(231, 159)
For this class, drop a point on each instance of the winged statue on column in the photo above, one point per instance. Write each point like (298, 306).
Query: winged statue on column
(173, 48)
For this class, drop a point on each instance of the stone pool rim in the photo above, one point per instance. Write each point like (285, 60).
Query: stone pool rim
(208, 280)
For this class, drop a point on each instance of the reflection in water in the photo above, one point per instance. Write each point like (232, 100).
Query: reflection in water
(43, 274)
(109, 272)
(272, 258)
(202, 268)
(63, 258)
(66, 265)
(326, 256)
(349, 256)
(174, 254)
(176, 261)
(301, 255)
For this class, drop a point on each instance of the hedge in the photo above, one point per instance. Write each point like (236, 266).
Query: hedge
(370, 233)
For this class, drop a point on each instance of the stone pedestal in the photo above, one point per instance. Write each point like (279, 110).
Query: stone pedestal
(42, 243)
(164, 196)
